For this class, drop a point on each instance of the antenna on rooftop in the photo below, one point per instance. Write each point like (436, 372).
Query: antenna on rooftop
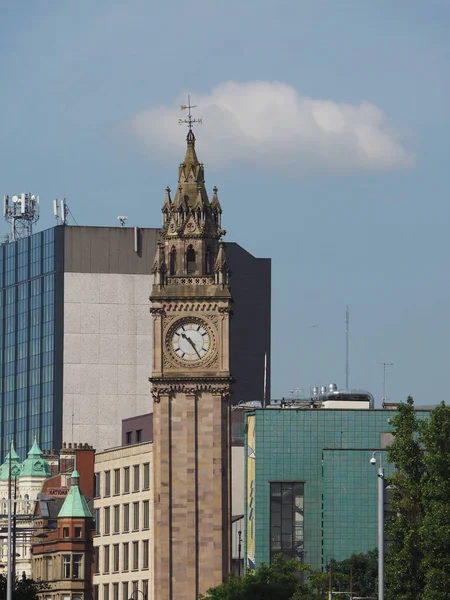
(122, 220)
(22, 212)
(347, 322)
(385, 364)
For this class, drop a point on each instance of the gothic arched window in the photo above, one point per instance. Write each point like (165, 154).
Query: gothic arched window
(190, 260)
(172, 261)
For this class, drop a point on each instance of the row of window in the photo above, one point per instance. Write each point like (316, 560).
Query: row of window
(121, 480)
(114, 593)
(122, 525)
(109, 559)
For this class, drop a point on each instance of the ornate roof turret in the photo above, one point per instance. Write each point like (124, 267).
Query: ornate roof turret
(34, 465)
(12, 460)
(215, 204)
(75, 504)
(159, 266)
(167, 201)
(221, 266)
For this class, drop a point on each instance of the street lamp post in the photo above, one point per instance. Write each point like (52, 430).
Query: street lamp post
(373, 461)
(239, 552)
(140, 592)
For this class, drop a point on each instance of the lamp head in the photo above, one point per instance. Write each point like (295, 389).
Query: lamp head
(373, 461)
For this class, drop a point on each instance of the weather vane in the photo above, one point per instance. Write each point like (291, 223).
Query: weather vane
(189, 121)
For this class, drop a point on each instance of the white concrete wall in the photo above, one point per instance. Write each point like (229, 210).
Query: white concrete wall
(107, 355)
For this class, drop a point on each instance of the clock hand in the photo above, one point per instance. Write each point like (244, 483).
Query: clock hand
(183, 335)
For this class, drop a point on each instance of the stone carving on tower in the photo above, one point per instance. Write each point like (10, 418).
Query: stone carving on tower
(191, 387)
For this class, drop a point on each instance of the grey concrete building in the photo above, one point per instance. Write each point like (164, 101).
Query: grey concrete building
(76, 334)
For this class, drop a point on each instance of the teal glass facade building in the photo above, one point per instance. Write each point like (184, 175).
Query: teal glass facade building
(31, 301)
(311, 492)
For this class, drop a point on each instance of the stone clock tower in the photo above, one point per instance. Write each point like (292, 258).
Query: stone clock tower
(191, 386)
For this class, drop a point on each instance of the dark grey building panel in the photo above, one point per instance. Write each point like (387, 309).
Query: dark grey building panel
(121, 250)
(250, 325)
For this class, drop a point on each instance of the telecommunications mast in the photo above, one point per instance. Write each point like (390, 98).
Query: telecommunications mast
(61, 217)
(21, 212)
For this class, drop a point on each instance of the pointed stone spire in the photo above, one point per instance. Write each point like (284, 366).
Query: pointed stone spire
(75, 504)
(159, 266)
(167, 201)
(215, 203)
(221, 266)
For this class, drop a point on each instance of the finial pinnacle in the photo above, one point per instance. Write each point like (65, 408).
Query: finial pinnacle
(190, 120)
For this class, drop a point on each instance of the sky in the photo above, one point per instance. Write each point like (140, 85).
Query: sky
(326, 127)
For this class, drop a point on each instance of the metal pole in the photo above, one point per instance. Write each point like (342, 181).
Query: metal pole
(381, 530)
(347, 319)
(239, 552)
(9, 583)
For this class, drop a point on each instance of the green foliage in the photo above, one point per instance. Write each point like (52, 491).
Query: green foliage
(25, 588)
(358, 573)
(279, 581)
(418, 530)
(292, 581)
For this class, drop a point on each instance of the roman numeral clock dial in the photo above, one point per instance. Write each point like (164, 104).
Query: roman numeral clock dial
(190, 341)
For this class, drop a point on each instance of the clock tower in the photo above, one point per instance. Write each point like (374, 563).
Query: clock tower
(191, 387)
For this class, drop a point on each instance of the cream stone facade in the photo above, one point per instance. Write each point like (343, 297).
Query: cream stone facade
(123, 512)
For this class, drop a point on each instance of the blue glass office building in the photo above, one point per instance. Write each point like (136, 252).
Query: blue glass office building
(31, 301)
(75, 347)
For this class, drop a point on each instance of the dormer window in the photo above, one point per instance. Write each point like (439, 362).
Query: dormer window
(190, 260)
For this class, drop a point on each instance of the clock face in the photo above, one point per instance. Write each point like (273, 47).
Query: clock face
(190, 341)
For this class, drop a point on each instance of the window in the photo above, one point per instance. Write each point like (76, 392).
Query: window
(136, 478)
(145, 587)
(116, 519)
(126, 517)
(145, 554)
(138, 435)
(116, 557)
(106, 591)
(190, 260)
(135, 555)
(96, 592)
(107, 483)
(146, 476)
(72, 566)
(286, 520)
(65, 532)
(126, 480)
(107, 518)
(117, 481)
(135, 516)
(97, 520)
(77, 571)
(115, 591)
(78, 532)
(66, 566)
(126, 556)
(129, 438)
(172, 261)
(146, 514)
(125, 590)
(106, 559)
(135, 587)
(97, 485)
(96, 559)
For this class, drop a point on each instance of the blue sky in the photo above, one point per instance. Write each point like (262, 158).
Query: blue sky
(326, 128)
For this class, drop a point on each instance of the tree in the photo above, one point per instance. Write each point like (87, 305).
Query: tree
(404, 569)
(435, 530)
(24, 589)
(358, 573)
(279, 581)
(418, 530)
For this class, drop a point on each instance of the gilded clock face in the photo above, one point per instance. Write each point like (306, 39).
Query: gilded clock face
(190, 341)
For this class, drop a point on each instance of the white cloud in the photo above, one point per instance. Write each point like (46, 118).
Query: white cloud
(271, 125)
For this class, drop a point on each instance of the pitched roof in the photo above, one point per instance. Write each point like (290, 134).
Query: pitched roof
(75, 504)
(34, 465)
